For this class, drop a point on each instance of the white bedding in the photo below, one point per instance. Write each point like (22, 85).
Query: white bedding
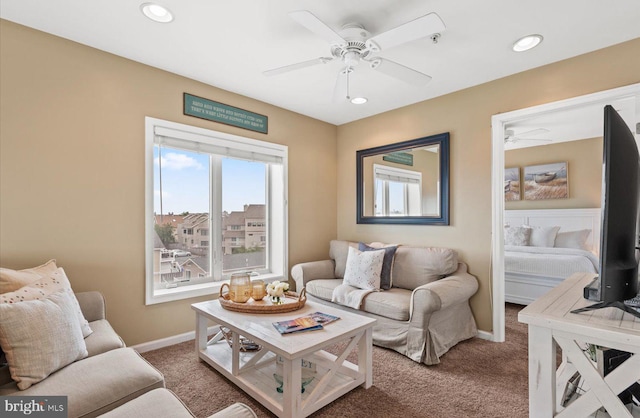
(549, 261)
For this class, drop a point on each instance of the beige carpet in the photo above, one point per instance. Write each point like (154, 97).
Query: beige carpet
(476, 378)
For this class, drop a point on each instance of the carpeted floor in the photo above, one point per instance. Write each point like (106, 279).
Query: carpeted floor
(476, 378)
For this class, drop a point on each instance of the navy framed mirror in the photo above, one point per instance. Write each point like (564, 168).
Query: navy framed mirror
(404, 183)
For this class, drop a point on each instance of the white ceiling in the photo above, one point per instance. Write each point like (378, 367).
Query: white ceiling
(228, 44)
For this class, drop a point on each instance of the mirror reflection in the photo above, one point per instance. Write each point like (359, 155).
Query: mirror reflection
(404, 182)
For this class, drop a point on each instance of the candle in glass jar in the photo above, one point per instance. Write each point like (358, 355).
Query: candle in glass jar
(258, 290)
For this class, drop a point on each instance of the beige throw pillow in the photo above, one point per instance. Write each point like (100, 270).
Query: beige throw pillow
(40, 337)
(11, 280)
(364, 268)
(41, 288)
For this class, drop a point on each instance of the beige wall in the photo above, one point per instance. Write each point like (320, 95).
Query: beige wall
(584, 162)
(466, 114)
(72, 169)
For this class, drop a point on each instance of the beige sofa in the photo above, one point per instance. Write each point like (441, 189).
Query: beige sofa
(423, 314)
(113, 379)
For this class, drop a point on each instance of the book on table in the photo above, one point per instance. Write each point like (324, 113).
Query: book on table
(311, 322)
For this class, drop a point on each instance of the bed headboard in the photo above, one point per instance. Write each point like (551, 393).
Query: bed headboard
(566, 219)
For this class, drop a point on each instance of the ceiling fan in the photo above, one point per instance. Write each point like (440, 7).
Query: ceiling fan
(511, 138)
(354, 45)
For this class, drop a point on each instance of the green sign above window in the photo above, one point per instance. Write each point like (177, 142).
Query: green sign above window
(399, 158)
(222, 113)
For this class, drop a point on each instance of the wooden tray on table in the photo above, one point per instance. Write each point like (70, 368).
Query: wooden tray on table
(292, 302)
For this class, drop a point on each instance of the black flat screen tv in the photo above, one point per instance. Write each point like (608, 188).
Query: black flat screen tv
(619, 255)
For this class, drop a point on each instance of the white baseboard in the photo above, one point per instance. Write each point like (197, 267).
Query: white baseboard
(175, 339)
(484, 335)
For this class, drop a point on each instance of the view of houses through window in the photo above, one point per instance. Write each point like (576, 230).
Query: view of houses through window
(185, 243)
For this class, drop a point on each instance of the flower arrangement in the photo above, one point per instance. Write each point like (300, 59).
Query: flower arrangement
(276, 290)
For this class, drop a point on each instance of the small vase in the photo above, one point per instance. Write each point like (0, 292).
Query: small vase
(277, 300)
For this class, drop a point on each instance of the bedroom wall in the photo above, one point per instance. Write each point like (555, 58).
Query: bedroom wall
(466, 115)
(72, 170)
(584, 163)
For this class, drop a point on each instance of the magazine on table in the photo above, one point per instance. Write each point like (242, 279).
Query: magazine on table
(323, 318)
(311, 322)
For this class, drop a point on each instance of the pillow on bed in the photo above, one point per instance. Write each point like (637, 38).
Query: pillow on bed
(573, 239)
(517, 235)
(543, 236)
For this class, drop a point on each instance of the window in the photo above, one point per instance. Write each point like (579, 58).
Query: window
(397, 192)
(215, 181)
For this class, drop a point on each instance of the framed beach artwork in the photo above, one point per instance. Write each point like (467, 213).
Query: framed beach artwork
(546, 181)
(512, 184)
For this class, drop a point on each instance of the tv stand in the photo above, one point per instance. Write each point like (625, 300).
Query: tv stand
(551, 326)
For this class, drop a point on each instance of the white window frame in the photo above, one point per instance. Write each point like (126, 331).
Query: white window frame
(385, 174)
(277, 201)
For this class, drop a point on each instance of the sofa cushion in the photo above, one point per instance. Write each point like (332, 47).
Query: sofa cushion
(40, 337)
(415, 266)
(52, 282)
(97, 384)
(339, 251)
(103, 338)
(11, 280)
(156, 403)
(322, 288)
(363, 269)
(393, 303)
(387, 263)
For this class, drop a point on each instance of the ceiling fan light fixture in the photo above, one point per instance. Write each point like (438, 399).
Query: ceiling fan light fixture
(527, 42)
(359, 100)
(156, 12)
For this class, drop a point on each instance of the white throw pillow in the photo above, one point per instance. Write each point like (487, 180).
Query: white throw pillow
(517, 235)
(40, 337)
(363, 268)
(543, 236)
(41, 288)
(573, 239)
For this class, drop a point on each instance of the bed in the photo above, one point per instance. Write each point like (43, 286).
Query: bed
(543, 247)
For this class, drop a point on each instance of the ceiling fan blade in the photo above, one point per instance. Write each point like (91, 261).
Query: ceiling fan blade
(317, 26)
(418, 28)
(399, 71)
(292, 67)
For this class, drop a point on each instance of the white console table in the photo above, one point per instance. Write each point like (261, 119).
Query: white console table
(551, 324)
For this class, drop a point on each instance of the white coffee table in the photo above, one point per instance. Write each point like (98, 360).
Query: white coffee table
(254, 372)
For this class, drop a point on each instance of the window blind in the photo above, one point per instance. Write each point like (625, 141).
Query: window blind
(244, 149)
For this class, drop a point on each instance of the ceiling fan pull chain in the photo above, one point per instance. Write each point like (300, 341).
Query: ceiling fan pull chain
(348, 71)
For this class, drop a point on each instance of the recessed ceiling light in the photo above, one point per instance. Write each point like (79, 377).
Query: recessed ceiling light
(526, 43)
(156, 12)
(359, 100)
